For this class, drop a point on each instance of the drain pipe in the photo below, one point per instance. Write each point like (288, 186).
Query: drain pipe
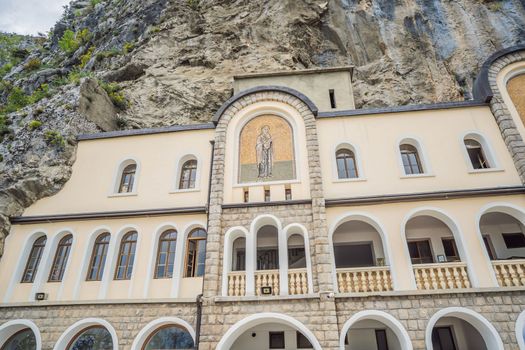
(198, 322)
(199, 297)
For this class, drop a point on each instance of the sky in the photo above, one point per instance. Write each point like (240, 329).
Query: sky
(29, 16)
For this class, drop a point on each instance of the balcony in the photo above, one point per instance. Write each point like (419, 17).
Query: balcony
(441, 276)
(510, 273)
(297, 281)
(364, 279)
(267, 278)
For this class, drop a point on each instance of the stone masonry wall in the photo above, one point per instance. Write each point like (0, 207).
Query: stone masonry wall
(501, 309)
(508, 129)
(127, 319)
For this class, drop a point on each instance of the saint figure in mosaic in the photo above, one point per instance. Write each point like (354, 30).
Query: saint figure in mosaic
(264, 151)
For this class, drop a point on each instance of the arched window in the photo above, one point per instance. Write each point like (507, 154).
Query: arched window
(188, 174)
(34, 260)
(346, 164)
(92, 338)
(127, 178)
(410, 157)
(239, 254)
(196, 253)
(60, 261)
(169, 337)
(21, 340)
(166, 254)
(98, 257)
(476, 154)
(126, 256)
(296, 252)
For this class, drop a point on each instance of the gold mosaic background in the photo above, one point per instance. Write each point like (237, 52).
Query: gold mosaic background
(283, 152)
(516, 89)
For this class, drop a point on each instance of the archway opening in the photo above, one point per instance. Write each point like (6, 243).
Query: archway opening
(169, 337)
(92, 338)
(453, 333)
(360, 260)
(503, 236)
(267, 278)
(435, 254)
(271, 336)
(23, 339)
(369, 334)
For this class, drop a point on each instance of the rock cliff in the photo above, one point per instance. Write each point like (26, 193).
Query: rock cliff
(139, 63)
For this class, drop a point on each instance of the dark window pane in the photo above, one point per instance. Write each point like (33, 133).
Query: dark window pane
(381, 340)
(34, 259)
(451, 251)
(476, 155)
(22, 340)
(488, 246)
(296, 258)
(346, 164)
(514, 240)
(126, 256)
(354, 255)
(267, 258)
(302, 341)
(277, 340)
(94, 338)
(442, 339)
(127, 178)
(410, 158)
(420, 252)
(61, 256)
(171, 337)
(188, 174)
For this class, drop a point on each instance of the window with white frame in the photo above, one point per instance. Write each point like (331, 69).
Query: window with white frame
(346, 164)
(411, 159)
(127, 178)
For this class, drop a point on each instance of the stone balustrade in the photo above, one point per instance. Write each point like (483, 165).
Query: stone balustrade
(510, 273)
(441, 276)
(364, 279)
(267, 278)
(237, 284)
(297, 281)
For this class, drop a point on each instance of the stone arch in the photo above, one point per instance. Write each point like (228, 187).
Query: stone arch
(375, 223)
(446, 219)
(259, 89)
(520, 330)
(264, 317)
(490, 86)
(229, 238)
(510, 209)
(298, 229)
(485, 328)
(78, 326)
(390, 321)
(10, 328)
(154, 325)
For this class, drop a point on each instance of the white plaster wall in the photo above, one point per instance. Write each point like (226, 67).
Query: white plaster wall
(92, 184)
(74, 285)
(376, 140)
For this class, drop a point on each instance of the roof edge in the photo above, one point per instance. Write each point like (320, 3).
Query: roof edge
(349, 69)
(406, 108)
(313, 108)
(481, 89)
(149, 131)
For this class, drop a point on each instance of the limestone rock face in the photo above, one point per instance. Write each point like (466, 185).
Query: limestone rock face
(96, 106)
(173, 61)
